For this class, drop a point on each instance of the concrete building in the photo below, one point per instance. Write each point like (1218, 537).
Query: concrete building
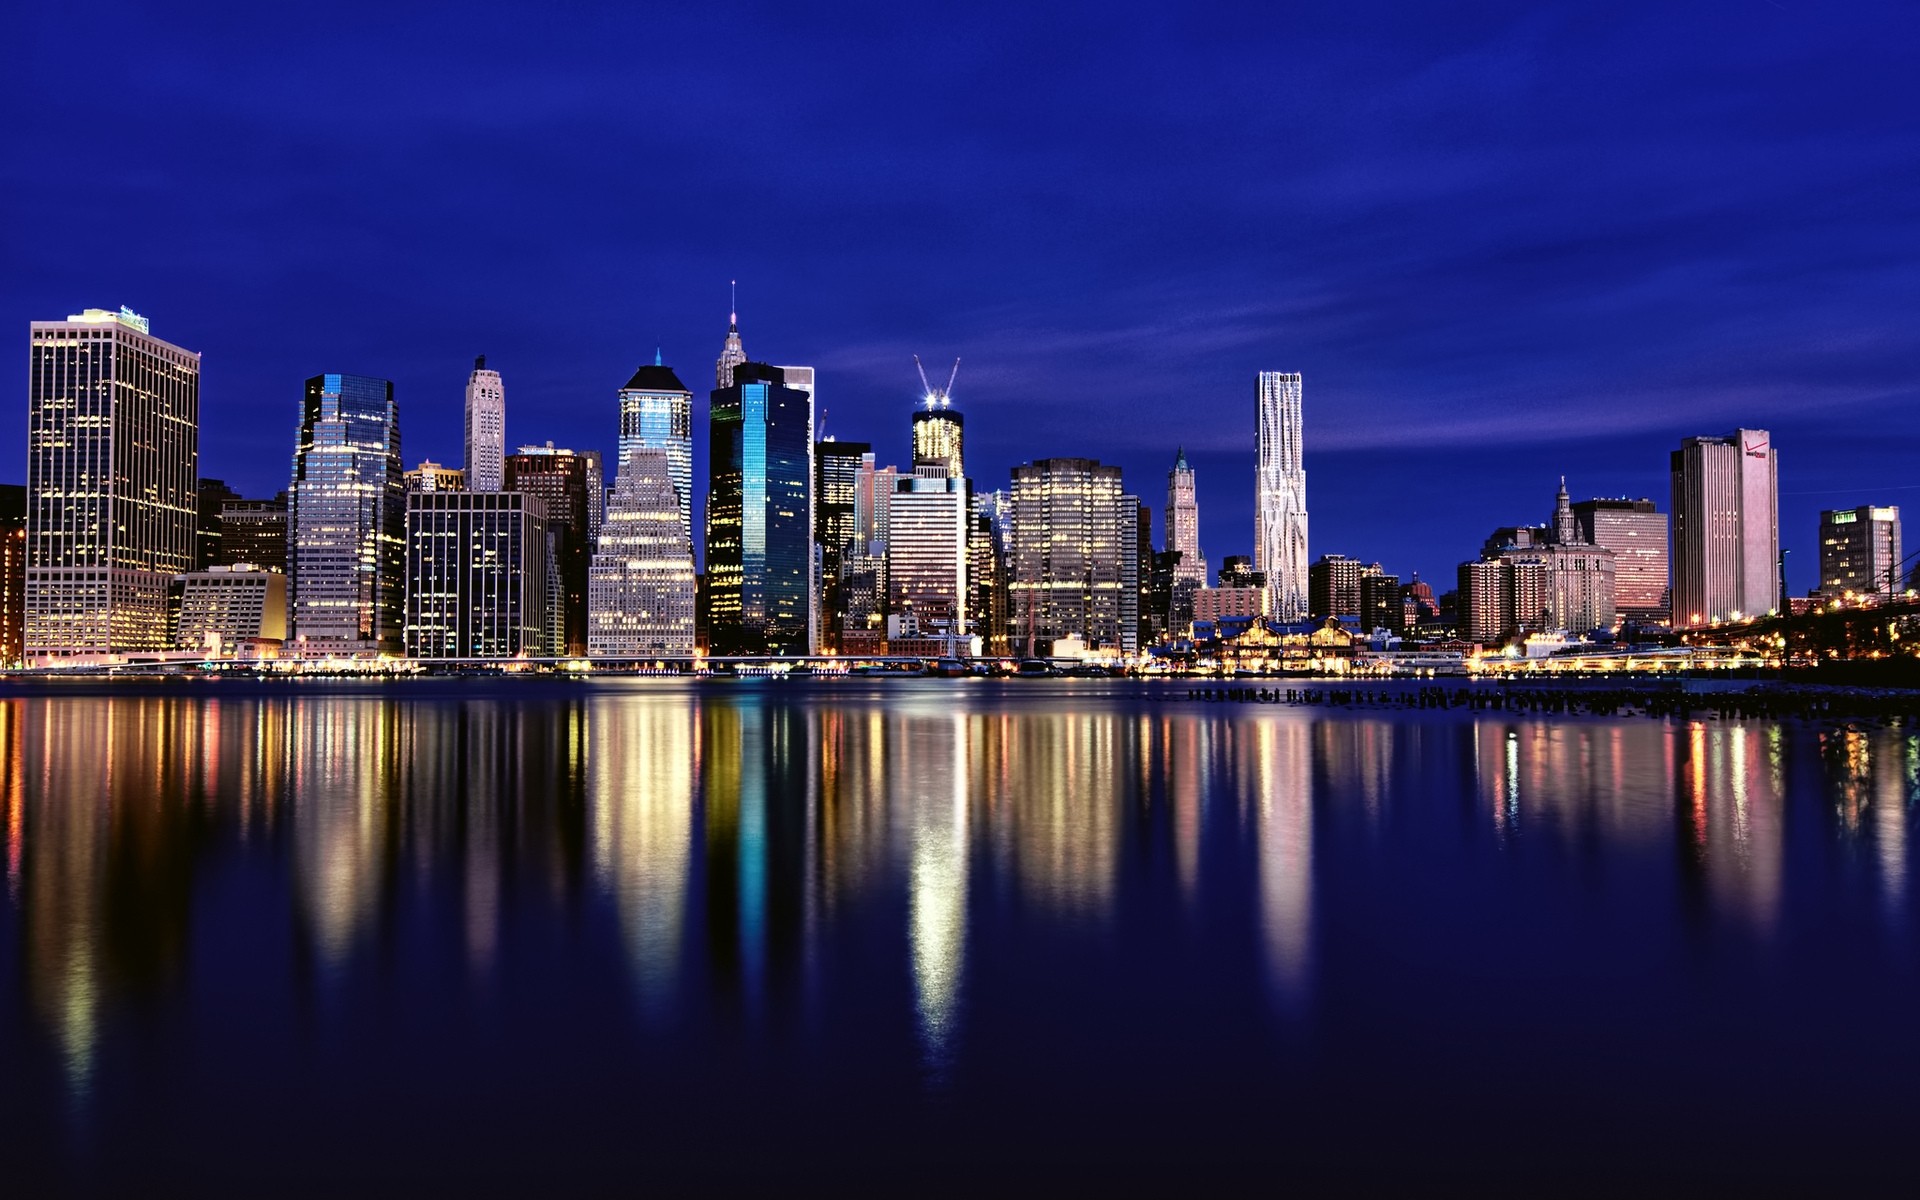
(1380, 603)
(1211, 604)
(347, 519)
(927, 551)
(759, 557)
(1549, 579)
(561, 479)
(1726, 528)
(1636, 532)
(213, 496)
(1071, 534)
(837, 467)
(255, 532)
(430, 476)
(1860, 552)
(656, 413)
(640, 588)
(230, 611)
(1280, 495)
(113, 458)
(1333, 585)
(990, 542)
(13, 571)
(486, 429)
(476, 575)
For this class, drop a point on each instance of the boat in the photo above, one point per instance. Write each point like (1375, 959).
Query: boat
(1033, 668)
(949, 668)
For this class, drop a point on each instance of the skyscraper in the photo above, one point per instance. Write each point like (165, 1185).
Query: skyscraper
(1183, 523)
(13, 571)
(347, 518)
(836, 486)
(991, 536)
(1636, 532)
(476, 575)
(1069, 538)
(640, 588)
(254, 532)
(113, 456)
(214, 494)
(559, 478)
(656, 413)
(486, 429)
(1280, 495)
(1860, 551)
(927, 552)
(732, 353)
(1726, 527)
(759, 558)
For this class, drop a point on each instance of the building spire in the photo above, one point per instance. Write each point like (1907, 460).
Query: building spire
(732, 354)
(1564, 531)
(733, 305)
(656, 357)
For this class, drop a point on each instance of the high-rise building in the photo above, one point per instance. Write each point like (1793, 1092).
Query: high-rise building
(1380, 604)
(1486, 600)
(113, 457)
(802, 379)
(1183, 522)
(347, 519)
(759, 559)
(1726, 528)
(927, 553)
(224, 610)
(656, 413)
(640, 589)
(1069, 545)
(596, 472)
(1333, 585)
(1236, 571)
(863, 568)
(213, 496)
(254, 532)
(430, 476)
(836, 485)
(1280, 495)
(559, 478)
(1860, 551)
(486, 440)
(1636, 532)
(13, 571)
(1136, 570)
(1550, 578)
(991, 537)
(732, 353)
(477, 582)
(939, 439)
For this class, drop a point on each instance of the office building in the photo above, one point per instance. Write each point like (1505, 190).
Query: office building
(1860, 552)
(596, 473)
(113, 457)
(1069, 545)
(927, 554)
(1136, 570)
(230, 611)
(1551, 580)
(802, 379)
(1636, 532)
(1280, 495)
(1183, 522)
(254, 532)
(1214, 603)
(990, 541)
(640, 588)
(1380, 603)
(759, 557)
(1486, 600)
(347, 519)
(939, 436)
(1333, 585)
(1236, 570)
(477, 583)
(837, 467)
(486, 432)
(559, 477)
(213, 496)
(1726, 528)
(13, 571)
(430, 476)
(656, 413)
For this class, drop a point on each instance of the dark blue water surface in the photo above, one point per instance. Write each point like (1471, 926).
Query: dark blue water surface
(927, 937)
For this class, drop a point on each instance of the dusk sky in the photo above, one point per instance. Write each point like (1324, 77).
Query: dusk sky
(1502, 242)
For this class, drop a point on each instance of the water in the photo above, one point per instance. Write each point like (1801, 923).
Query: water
(507, 936)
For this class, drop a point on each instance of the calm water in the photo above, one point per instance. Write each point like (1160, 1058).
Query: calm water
(941, 936)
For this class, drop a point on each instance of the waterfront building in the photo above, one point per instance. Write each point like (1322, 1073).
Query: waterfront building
(1333, 585)
(1486, 600)
(486, 429)
(1551, 580)
(1380, 604)
(560, 478)
(1216, 603)
(430, 476)
(230, 611)
(988, 603)
(254, 531)
(837, 467)
(477, 583)
(1726, 528)
(1161, 613)
(213, 496)
(927, 551)
(1280, 495)
(347, 519)
(13, 571)
(656, 413)
(1138, 581)
(113, 456)
(1636, 532)
(863, 568)
(1183, 521)
(1860, 551)
(1071, 534)
(640, 590)
(759, 558)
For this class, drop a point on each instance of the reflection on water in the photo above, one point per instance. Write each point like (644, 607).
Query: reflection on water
(733, 838)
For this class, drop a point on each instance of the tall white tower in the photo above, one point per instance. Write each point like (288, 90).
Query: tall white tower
(1183, 521)
(1280, 496)
(486, 429)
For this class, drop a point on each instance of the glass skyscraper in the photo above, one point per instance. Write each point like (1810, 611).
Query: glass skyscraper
(347, 519)
(656, 413)
(759, 515)
(113, 457)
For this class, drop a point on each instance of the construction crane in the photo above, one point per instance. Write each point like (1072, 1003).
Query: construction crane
(944, 396)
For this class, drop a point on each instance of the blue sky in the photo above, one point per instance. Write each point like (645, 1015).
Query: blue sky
(1502, 242)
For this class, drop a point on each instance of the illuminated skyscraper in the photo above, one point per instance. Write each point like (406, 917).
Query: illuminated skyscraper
(1860, 551)
(927, 551)
(1726, 527)
(113, 437)
(559, 477)
(656, 413)
(1183, 522)
(347, 518)
(759, 558)
(1280, 495)
(732, 354)
(836, 485)
(640, 587)
(1636, 532)
(1071, 528)
(254, 532)
(476, 575)
(486, 429)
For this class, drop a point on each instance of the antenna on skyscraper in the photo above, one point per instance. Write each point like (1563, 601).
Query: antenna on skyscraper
(944, 396)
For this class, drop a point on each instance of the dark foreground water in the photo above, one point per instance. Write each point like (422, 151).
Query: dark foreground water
(924, 937)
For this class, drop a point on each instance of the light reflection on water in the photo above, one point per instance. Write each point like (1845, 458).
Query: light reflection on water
(746, 843)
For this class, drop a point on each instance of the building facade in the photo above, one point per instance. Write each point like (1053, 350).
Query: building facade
(213, 497)
(477, 582)
(656, 413)
(927, 553)
(430, 476)
(560, 478)
(759, 557)
(1071, 532)
(486, 429)
(13, 571)
(1548, 578)
(1726, 528)
(640, 589)
(837, 467)
(1280, 495)
(1333, 585)
(227, 611)
(113, 456)
(1860, 552)
(1636, 532)
(347, 519)
(254, 532)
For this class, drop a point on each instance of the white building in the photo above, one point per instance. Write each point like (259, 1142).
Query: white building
(927, 550)
(223, 609)
(486, 429)
(656, 413)
(1726, 528)
(640, 588)
(1280, 495)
